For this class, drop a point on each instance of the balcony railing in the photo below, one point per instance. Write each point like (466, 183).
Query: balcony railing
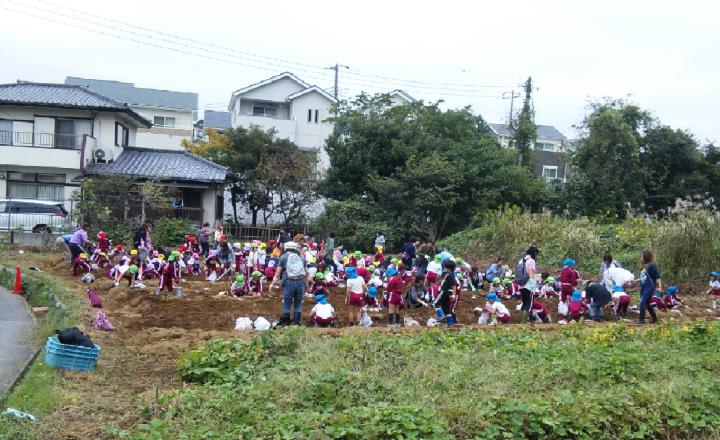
(264, 115)
(41, 140)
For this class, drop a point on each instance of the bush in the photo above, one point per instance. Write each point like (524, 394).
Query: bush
(688, 245)
(171, 232)
(356, 223)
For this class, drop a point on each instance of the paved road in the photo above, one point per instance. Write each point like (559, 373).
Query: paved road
(16, 326)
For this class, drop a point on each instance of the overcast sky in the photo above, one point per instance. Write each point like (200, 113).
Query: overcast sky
(663, 55)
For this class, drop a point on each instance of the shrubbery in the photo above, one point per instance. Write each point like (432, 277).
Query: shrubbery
(686, 244)
(613, 382)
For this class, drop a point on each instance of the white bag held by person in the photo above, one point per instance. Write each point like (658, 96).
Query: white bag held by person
(563, 309)
(261, 324)
(365, 321)
(243, 324)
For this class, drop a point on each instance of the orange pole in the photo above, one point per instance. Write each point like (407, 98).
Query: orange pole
(18, 281)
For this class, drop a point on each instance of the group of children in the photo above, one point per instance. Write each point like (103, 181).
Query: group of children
(372, 282)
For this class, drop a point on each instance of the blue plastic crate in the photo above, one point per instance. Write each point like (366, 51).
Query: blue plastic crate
(71, 357)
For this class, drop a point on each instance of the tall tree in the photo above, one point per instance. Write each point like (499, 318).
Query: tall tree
(674, 167)
(606, 165)
(525, 129)
(429, 170)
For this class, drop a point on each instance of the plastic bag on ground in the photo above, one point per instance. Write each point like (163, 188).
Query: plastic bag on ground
(88, 278)
(261, 324)
(409, 322)
(431, 322)
(101, 322)
(243, 323)
(365, 321)
(562, 309)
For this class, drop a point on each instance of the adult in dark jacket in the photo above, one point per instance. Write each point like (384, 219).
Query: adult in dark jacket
(142, 234)
(410, 252)
(599, 297)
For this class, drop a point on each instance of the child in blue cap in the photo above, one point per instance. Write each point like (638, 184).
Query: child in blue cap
(576, 306)
(671, 297)
(322, 314)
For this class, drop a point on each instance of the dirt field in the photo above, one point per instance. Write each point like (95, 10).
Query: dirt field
(138, 359)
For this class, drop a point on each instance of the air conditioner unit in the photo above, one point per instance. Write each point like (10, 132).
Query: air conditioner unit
(102, 156)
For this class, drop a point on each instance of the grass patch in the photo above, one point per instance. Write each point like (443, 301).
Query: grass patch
(39, 390)
(609, 382)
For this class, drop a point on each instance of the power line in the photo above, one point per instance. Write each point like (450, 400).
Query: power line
(224, 50)
(443, 91)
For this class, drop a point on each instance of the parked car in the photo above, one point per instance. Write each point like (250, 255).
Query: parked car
(32, 215)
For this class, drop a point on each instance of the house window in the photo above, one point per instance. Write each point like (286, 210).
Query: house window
(6, 128)
(268, 111)
(69, 132)
(122, 135)
(309, 116)
(164, 121)
(550, 172)
(544, 146)
(317, 116)
(35, 186)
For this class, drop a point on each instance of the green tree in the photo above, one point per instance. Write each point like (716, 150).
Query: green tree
(606, 165)
(251, 153)
(428, 170)
(674, 167)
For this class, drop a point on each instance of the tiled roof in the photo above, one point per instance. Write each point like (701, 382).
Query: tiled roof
(162, 165)
(217, 120)
(543, 131)
(138, 96)
(63, 96)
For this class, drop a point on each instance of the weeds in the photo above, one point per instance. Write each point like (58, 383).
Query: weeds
(686, 244)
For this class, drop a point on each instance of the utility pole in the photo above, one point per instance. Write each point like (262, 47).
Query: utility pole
(528, 89)
(336, 68)
(512, 102)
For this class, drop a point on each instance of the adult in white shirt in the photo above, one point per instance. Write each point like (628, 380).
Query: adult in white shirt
(322, 314)
(617, 276)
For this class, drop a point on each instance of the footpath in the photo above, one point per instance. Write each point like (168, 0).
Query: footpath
(16, 331)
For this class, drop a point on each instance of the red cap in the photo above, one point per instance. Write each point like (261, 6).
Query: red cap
(223, 238)
(118, 247)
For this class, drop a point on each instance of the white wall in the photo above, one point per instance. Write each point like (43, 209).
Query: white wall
(208, 204)
(277, 91)
(285, 127)
(310, 134)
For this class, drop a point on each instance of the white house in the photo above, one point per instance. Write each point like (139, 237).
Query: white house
(52, 135)
(548, 152)
(294, 108)
(172, 113)
(400, 97)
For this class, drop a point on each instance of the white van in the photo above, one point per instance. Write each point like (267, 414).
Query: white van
(32, 215)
